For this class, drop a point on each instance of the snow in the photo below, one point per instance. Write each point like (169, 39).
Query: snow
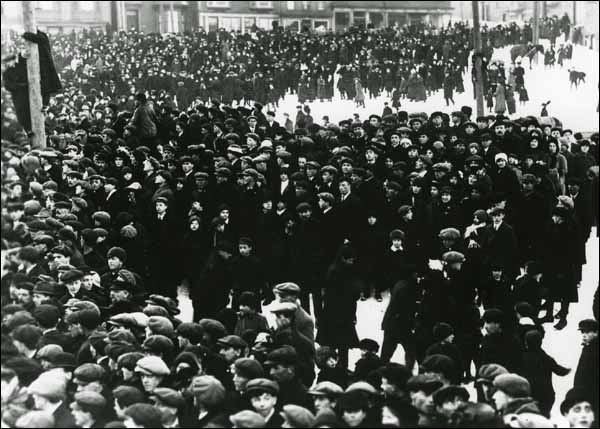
(577, 111)
(575, 108)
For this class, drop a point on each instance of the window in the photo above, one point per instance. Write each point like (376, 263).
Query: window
(45, 5)
(321, 5)
(230, 24)
(305, 5)
(264, 23)
(87, 6)
(212, 23)
(263, 4)
(221, 4)
(133, 20)
(291, 5)
(249, 22)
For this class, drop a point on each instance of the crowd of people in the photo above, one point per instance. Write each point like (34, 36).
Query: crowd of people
(171, 263)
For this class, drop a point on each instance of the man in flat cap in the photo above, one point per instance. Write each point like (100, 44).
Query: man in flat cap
(89, 409)
(153, 371)
(170, 403)
(264, 399)
(283, 364)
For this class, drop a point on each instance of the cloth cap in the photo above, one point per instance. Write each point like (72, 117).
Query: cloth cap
(258, 386)
(169, 397)
(369, 345)
(397, 234)
(208, 390)
(427, 383)
(91, 399)
(297, 416)
(88, 372)
(128, 395)
(161, 326)
(449, 234)
(449, 393)
(35, 419)
(326, 388)
(248, 368)
(48, 352)
(247, 419)
(282, 356)
(145, 415)
(287, 288)
(442, 331)
(284, 307)
(152, 365)
(513, 385)
(49, 385)
(452, 257)
(232, 341)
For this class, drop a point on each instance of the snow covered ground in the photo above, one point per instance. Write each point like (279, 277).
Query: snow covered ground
(576, 108)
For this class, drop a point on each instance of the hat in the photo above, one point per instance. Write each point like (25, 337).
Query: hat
(145, 415)
(28, 335)
(71, 276)
(453, 257)
(326, 417)
(284, 307)
(287, 288)
(489, 371)
(232, 341)
(501, 155)
(208, 390)
(88, 373)
(191, 331)
(449, 234)
(49, 385)
(248, 368)
(128, 395)
(513, 385)
(527, 420)
(88, 398)
(588, 325)
(493, 315)
(449, 393)
(213, 327)
(397, 235)
(285, 356)
(258, 386)
(442, 330)
(326, 388)
(169, 397)
(362, 386)
(160, 325)
(440, 364)
(34, 419)
(117, 252)
(158, 344)
(152, 365)
(47, 315)
(298, 417)
(574, 396)
(48, 352)
(369, 345)
(247, 419)
(427, 383)
(129, 360)
(234, 148)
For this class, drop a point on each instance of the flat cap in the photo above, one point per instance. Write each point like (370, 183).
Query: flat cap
(169, 397)
(283, 307)
(489, 371)
(453, 257)
(88, 373)
(326, 388)
(285, 356)
(449, 393)
(152, 365)
(513, 385)
(427, 383)
(588, 325)
(208, 390)
(258, 386)
(145, 415)
(161, 326)
(297, 416)
(449, 234)
(232, 341)
(128, 395)
(287, 288)
(90, 399)
(248, 368)
(71, 276)
(247, 419)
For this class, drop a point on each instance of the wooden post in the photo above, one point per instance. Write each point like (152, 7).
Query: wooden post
(172, 16)
(34, 80)
(477, 49)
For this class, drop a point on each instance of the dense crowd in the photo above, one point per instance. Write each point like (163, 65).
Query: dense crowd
(172, 261)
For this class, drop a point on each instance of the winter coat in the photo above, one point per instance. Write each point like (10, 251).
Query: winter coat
(538, 368)
(500, 100)
(559, 261)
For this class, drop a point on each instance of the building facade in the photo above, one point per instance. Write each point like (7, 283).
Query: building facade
(59, 16)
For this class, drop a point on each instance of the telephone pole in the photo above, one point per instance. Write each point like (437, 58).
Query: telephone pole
(477, 54)
(34, 80)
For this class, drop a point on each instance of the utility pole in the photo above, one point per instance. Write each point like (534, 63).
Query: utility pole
(574, 12)
(544, 9)
(477, 53)
(34, 80)
(536, 22)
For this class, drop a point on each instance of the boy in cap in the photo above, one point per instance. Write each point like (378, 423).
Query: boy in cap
(170, 403)
(513, 395)
(153, 371)
(421, 389)
(325, 395)
(263, 394)
(88, 409)
(369, 360)
(142, 416)
(295, 416)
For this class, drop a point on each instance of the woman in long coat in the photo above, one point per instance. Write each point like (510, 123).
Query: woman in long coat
(559, 261)
(343, 286)
(500, 99)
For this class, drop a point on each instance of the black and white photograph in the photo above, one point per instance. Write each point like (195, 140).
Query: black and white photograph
(299, 214)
